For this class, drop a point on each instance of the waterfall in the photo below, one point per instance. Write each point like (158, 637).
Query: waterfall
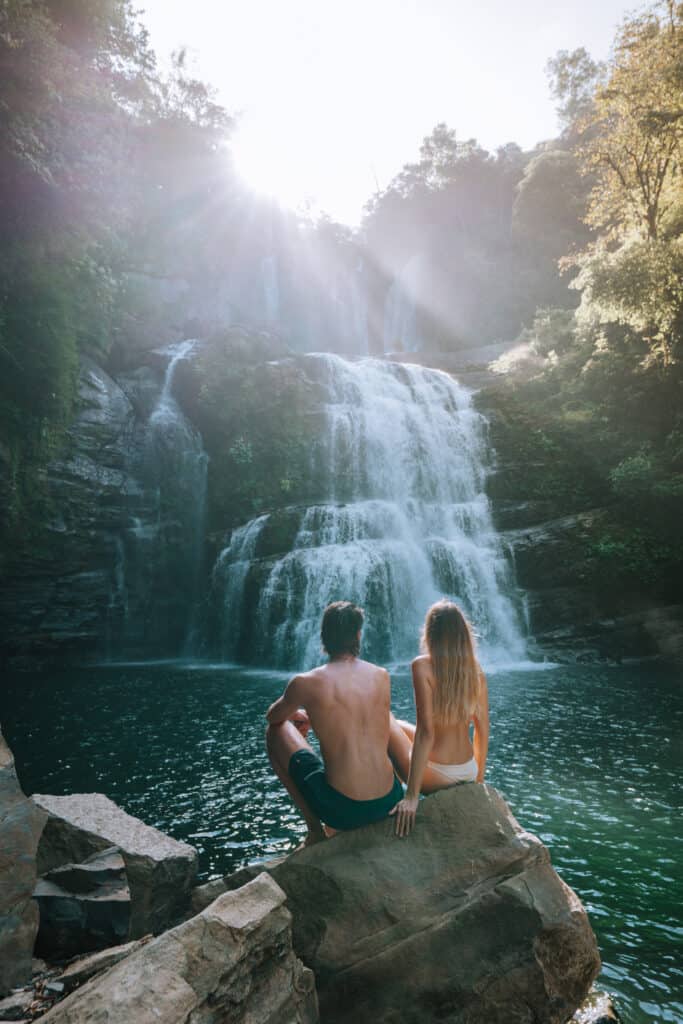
(164, 547)
(402, 462)
(271, 289)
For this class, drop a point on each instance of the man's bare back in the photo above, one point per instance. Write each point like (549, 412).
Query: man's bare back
(348, 705)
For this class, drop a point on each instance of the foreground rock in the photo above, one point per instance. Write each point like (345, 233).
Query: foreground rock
(232, 963)
(464, 921)
(160, 870)
(21, 823)
(83, 907)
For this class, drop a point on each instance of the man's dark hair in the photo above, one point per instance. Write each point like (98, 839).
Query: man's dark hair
(342, 622)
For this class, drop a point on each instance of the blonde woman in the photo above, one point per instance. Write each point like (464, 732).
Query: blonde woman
(450, 694)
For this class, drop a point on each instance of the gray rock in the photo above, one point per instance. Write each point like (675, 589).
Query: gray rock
(465, 920)
(21, 824)
(232, 963)
(100, 869)
(86, 967)
(160, 870)
(16, 1005)
(83, 907)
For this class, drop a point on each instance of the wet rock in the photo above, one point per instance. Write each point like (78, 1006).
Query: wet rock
(160, 870)
(21, 824)
(598, 1008)
(465, 920)
(57, 588)
(233, 962)
(83, 907)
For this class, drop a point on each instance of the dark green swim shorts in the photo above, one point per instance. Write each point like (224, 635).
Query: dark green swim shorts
(327, 803)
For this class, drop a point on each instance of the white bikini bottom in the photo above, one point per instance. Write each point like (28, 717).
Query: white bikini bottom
(466, 772)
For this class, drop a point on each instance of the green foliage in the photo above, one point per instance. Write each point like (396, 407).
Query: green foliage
(634, 556)
(79, 103)
(256, 426)
(634, 476)
(633, 134)
(639, 285)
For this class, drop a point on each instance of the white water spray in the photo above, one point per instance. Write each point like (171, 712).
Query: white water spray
(405, 521)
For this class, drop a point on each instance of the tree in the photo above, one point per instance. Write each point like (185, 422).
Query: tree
(633, 134)
(573, 79)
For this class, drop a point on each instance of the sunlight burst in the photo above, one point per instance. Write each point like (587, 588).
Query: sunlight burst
(268, 163)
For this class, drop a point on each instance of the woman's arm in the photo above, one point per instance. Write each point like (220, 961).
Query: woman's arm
(480, 740)
(424, 739)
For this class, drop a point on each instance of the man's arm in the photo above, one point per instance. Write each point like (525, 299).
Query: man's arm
(480, 740)
(288, 704)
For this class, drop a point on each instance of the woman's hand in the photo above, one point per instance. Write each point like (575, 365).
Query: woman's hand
(405, 815)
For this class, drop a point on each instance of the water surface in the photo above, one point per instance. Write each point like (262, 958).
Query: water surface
(589, 759)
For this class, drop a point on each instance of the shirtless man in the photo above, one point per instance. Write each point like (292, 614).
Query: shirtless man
(346, 703)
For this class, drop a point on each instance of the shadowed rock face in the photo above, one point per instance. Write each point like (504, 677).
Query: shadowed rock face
(21, 823)
(160, 870)
(232, 963)
(84, 906)
(464, 921)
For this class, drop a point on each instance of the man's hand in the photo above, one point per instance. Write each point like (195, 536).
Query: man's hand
(405, 815)
(302, 722)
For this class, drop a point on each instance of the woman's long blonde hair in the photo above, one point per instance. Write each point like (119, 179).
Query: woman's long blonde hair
(448, 640)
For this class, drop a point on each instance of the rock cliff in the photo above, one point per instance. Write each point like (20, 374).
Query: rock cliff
(21, 823)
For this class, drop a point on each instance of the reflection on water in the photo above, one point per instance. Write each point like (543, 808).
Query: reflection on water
(589, 759)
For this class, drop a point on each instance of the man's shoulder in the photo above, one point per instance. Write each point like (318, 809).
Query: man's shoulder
(369, 668)
(304, 678)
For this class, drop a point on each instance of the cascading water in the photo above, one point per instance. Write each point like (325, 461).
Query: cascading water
(164, 547)
(402, 462)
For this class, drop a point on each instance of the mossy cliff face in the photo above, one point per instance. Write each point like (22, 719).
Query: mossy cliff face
(601, 574)
(257, 406)
(100, 566)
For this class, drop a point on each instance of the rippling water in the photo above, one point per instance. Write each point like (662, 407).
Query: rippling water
(589, 759)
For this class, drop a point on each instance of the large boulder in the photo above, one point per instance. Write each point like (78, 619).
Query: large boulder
(463, 921)
(232, 963)
(160, 870)
(83, 907)
(21, 823)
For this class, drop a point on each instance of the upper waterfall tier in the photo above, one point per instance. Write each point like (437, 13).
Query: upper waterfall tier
(403, 520)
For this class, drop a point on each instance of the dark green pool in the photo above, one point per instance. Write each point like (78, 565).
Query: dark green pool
(589, 759)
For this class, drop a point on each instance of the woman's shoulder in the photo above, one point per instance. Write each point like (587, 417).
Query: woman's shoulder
(422, 665)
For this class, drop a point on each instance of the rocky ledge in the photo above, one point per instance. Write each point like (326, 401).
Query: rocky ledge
(464, 921)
